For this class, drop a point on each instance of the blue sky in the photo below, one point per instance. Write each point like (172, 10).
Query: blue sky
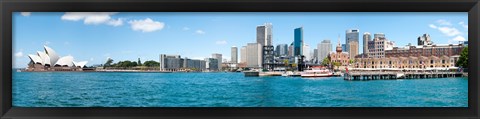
(94, 37)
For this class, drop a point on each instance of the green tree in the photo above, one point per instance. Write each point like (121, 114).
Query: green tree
(151, 63)
(109, 62)
(463, 60)
(337, 64)
(326, 61)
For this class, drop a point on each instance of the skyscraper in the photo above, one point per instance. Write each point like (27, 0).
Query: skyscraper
(254, 55)
(353, 45)
(234, 57)
(351, 35)
(366, 37)
(243, 54)
(219, 58)
(306, 51)
(298, 41)
(264, 34)
(324, 48)
(315, 54)
(282, 50)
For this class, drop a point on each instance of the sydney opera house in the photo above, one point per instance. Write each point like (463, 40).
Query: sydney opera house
(50, 61)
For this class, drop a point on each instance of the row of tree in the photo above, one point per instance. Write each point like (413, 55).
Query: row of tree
(128, 63)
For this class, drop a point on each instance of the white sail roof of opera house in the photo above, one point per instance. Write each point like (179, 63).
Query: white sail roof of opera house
(45, 58)
(80, 64)
(67, 60)
(50, 57)
(35, 59)
(52, 54)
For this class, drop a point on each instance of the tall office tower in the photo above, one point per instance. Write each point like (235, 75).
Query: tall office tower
(290, 50)
(282, 50)
(306, 52)
(324, 48)
(298, 41)
(424, 40)
(234, 57)
(243, 54)
(315, 53)
(351, 35)
(344, 48)
(378, 35)
(366, 37)
(264, 34)
(353, 49)
(219, 58)
(254, 55)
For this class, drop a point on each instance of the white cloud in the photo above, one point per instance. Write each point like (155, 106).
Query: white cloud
(463, 24)
(432, 26)
(200, 32)
(92, 18)
(444, 22)
(459, 38)
(186, 28)
(114, 22)
(147, 25)
(221, 42)
(449, 31)
(19, 54)
(26, 14)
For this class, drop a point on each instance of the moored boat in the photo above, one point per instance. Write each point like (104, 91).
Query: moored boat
(317, 72)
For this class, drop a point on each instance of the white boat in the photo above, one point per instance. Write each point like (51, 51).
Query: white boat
(317, 72)
(290, 74)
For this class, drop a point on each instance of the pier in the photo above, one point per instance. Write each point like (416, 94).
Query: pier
(391, 74)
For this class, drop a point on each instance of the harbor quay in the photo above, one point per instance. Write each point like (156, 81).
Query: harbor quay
(388, 74)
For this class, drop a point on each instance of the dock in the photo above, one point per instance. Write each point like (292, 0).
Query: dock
(388, 75)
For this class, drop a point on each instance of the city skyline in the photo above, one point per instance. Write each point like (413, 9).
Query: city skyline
(128, 36)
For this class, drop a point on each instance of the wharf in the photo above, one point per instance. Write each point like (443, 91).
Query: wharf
(386, 75)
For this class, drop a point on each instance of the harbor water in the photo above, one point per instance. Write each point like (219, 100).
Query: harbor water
(115, 89)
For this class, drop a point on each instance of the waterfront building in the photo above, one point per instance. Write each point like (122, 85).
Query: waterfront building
(437, 50)
(50, 61)
(306, 52)
(211, 64)
(351, 35)
(378, 46)
(324, 48)
(234, 55)
(177, 63)
(243, 54)
(366, 37)
(298, 41)
(282, 50)
(339, 56)
(424, 40)
(426, 56)
(254, 55)
(219, 58)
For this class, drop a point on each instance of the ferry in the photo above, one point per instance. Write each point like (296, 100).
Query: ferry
(317, 72)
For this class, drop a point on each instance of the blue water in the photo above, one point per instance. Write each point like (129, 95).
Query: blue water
(97, 89)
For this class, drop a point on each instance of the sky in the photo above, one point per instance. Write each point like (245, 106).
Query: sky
(96, 36)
